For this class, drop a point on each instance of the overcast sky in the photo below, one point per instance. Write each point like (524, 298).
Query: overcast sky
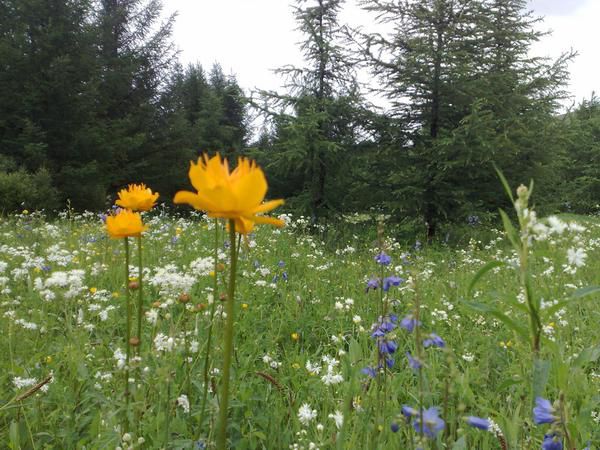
(249, 38)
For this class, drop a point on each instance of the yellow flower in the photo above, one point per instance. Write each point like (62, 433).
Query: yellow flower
(124, 224)
(295, 336)
(93, 290)
(236, 195)
(137, 197)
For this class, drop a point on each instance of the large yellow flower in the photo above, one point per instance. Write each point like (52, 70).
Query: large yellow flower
(124, 224)
(236, 195)
(137, 197)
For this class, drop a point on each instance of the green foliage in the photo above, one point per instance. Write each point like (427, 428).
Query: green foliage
(75, 338)
(20, 190)
(465, 95)
(314, 125)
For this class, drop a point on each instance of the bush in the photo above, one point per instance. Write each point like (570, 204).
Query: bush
(23, 190)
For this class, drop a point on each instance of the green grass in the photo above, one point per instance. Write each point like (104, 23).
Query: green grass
(280, 326)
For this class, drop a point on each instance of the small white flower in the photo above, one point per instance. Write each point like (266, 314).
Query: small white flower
(312, 369)
(306, 414)
(338, 418)
(576, 257)
(183, 401)
(469, 357)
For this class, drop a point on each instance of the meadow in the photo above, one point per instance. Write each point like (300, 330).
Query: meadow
(341, 333)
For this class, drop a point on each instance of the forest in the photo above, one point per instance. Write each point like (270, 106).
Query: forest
(93, 97)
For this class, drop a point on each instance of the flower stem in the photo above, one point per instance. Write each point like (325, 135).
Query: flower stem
(228, 341)
(419, 358)
(127, 336)
(140, 311)
(563, 420)
(210, 330)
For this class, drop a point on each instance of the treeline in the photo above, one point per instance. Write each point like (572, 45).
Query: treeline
(92, 97)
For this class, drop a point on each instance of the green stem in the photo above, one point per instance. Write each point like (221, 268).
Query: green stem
(563, 420)
(418, 355)
(140, 296)
(228, 342)
(210, 330)
(127, 336)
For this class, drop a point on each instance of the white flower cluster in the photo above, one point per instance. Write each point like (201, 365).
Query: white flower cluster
(69, 283)
(170, 282)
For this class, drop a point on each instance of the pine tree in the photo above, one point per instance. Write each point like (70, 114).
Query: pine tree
(459, 80)
(314, 119)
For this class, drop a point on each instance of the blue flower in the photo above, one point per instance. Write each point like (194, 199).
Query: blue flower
(552, 442)
(543, 412)
(391, 281)
(383, 259)
(370, 371)
(284, 275)
(394, 427)
(389, 362)
(382, 327)
(386, 347)
(432, 423)
(478, 422)
(373, 283)
(409, 412)
(281, 264)
(409, 323)
(434, 340)
(414, 363)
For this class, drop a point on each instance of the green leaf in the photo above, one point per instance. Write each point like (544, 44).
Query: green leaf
(14, 435)
(579, 294)
(481, 272)
(461, 444)
(587, 355)
(510, 323)
(505, 184)
(508, 383)
(511, 232)
(541, 372)
(584, 292)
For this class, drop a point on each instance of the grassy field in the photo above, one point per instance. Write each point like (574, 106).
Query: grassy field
(305, 368)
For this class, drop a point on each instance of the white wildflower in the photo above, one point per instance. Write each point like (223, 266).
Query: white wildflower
(338, 418)
(306, 414)
(183, 401)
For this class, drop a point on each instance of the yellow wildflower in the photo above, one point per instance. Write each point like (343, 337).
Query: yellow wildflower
(137, 197)
(124, 224)
(236, 195)
(295, 336)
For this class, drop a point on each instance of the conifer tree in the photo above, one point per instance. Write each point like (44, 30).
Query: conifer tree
(458, 77)
(314, 119)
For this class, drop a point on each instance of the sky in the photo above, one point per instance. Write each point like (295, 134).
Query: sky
(250, 38)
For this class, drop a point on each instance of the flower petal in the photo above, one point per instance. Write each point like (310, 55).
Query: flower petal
(192, 199)
(268, 206)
